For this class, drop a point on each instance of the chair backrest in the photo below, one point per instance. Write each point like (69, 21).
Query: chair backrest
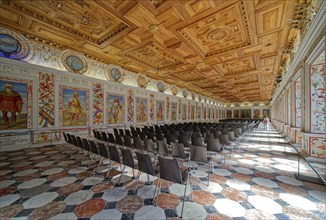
(159, 136)
(69, 138)
(183, 139)
(178, 150)
(142, 135)
(111, 138)
(114, 154)
(103, 151)
(138, 144)
(150, 135)
(127, 158)
(79, 141)
(149, 145)
(121, 132)
(86, 144)
(170, 170)
(195, 140)
(118, 140)
(127, 141)
(145, 163)
(116, 132)
(225, 139)
(127, 132)
(231, 136)
(198, 154)
(95, 134)
(214, 145)
(162, 148)
(93, 147)
(104, 136)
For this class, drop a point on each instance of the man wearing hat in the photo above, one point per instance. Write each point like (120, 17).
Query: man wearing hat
(10, 101)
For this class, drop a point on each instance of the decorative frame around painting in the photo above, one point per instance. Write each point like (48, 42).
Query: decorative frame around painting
(46, 99)
(22, 91)
(256, 113)
(184, 111)
(74, 62)
(160, 110)
(245, 113)
(115, 73)
(174, 111)
(115, 108)
(68, 108)
(141, 109)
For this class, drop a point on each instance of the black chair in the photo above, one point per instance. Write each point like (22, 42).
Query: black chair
(214, 145)
(121, 132)
(170, 171)
(127, 132)
(104, 137)
(149, 145)
(184, 139)
(118, 140)
(127, 141)
(162, 148)
(178, 150)
(127, 160)
(138, 144)
(196, 140)
(114, 156)
(103, 152)
(111, 138)
(93, 149)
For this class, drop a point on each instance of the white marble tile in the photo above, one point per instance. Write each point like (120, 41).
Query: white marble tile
(243, 170)
(44, 164)
(40, 200)
(231, 162)
(108, 214)
(77, 170)
(321, 196)
(264, 169)
(190, 164)
(148, 212)
(146, 192)
(5, 183)
(298, 201)
(32, 183)
(52, 171)
(178, 189)
(246, 161)
(38, 157)
(265, 182)
(285, 167)
(198, 173)
(265, 204)
(20, 218)
(192, 210)
(65, 216)
(238, 184)
(25, 172)
(4, 172)
(289, 180)
(63, 181)
(79, 197)
(93, 180)
(17, 158)
(143, 177)
(229, 208)
(222, 172)
(114, 194)
(20, 164)
(8, 199)
(4, 164)
(213, 187)
(65, 163)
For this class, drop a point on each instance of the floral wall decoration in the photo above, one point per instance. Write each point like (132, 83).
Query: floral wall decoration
(256, 113)
(174, 90)
(174, 111)
(184, 111)
(15, 103)
(73, 106)
(98, 108)
(160, 110)
(317, 78)
(130, 108)
(245, 113)
(179, 110)
(228, 113)
(45, 100)
(188, 110)
(297, 85)
(167, 108)
(161, 87)
(152, 108)
(185, 93)
(115, 108)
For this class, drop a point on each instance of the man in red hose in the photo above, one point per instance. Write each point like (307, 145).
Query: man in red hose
(10, 101)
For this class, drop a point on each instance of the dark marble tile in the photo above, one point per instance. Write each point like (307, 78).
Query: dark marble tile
(60, 198)
(281, 202)
(239, 218)
(24, 212)
(170, 213)
(218, 195)
(98, 195)
(249, 192)
(69, 208)
(148, 201)
(210, 209)
(246, 205)
(110, 205)
(282, 216)
(88, 187)
(129, 216)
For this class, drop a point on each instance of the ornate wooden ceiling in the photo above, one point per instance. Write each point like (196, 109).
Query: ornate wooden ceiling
(230, 50)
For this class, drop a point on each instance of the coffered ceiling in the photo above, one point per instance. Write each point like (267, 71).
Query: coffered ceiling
(230, 50)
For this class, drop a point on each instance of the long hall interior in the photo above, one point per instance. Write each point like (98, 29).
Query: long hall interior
(162, 109)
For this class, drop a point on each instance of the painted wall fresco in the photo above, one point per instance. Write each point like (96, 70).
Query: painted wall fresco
(98, 107)
(74, 106)
(160, 110)
(236, 113)
(46, 100)
(167, 108)
(289, 107)
(199, 112)
(184, 111)
(192, 112)
(297, 85)
(43, 137)
(228, 113)
(174, 111)
(152, 108)
(256, 113)
(179, 110)
(141, 109)
(115, 108)
(317, 78)
(130, 108)
(205, 112)
(245, 113)
(15, 103)
(266, 113)
(317, 147)
(189, 110)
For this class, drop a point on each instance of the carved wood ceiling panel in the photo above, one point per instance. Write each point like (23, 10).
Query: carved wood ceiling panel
(229, 50)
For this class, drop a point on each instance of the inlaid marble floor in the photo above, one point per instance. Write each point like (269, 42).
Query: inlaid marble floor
(257, 182)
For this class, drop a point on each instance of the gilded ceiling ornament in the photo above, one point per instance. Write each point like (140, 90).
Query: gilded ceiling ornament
(142, 81)
(13, 45)
(237, 65)
(218, 34)
(74, 62)
(115, 73)
(174, 90)
(161, 87)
